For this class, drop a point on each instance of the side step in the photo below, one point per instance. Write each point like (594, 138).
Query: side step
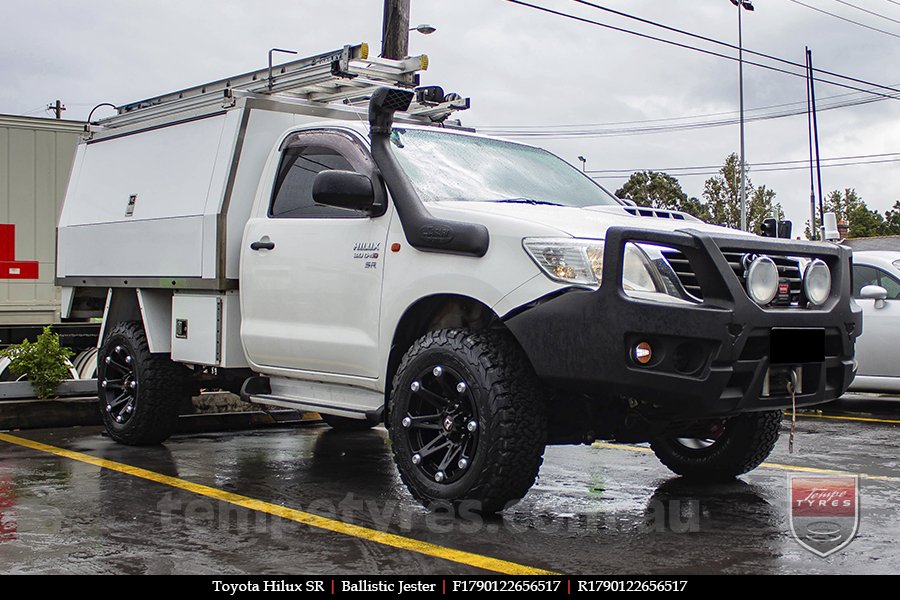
(329, 398)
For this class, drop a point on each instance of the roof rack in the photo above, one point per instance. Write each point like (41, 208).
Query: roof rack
(346, 75)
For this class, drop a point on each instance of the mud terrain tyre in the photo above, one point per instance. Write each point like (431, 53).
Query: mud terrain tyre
(139, 391)
(467, 421)
(741, 445)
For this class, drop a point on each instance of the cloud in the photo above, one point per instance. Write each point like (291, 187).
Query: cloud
(520, 67)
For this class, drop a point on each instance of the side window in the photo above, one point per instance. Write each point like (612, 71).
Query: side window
(863, 276)
(891, 284)
(304, 155)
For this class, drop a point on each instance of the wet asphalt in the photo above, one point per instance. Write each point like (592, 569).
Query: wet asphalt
(594, 510)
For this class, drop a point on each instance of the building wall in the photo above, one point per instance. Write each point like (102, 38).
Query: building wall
(35, 160)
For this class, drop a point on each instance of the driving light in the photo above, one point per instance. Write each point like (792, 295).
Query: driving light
(568, 260)
(762, 280)
(637, 271)
(643, 353)
(817, 282)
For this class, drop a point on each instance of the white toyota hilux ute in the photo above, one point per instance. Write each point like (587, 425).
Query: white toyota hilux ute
(479, 297)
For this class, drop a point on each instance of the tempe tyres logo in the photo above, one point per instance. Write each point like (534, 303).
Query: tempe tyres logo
(824, 511)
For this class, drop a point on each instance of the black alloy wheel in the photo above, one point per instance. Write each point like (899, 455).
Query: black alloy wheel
(467, 421)
(442, 419)
(119, 386)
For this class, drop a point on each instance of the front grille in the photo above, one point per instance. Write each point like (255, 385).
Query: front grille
(788, 270)
(682, 267)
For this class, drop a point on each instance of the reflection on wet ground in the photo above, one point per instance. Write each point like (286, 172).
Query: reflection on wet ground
(593, 510)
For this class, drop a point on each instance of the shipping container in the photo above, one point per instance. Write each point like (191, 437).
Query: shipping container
(36, 156)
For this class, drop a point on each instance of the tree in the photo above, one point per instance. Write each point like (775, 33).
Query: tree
(892, 220)
(696, 207)
(849, 208)
(722, 196)
(655, 189)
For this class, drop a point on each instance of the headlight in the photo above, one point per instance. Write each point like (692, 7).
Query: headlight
(817, 282)
(579, 262)
(762, 280)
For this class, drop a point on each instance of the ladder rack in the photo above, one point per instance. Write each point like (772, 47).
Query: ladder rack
(346, 76)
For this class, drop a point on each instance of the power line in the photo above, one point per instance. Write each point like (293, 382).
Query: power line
(830, 14)
(500, 129)
(695, 48)
(763, 169)
(41, 108)
(575, 132)
(804, 161)
(866, 10)
(727, 44)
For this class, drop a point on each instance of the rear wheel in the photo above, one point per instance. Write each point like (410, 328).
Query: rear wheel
(466, 420)
(729, 448)
(139, 391)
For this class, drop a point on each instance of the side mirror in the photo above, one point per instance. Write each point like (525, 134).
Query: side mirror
(874, 292)
(343, 189)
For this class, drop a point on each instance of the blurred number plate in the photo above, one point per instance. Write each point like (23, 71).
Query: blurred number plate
(795, 346)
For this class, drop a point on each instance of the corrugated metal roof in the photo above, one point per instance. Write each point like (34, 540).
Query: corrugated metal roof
(41, 123)
(888, 242)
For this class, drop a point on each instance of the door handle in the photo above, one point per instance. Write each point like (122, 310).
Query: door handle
(262, 246)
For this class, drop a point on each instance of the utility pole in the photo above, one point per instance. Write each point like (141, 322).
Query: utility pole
(813, 228)
(57, 107)
(395, 29)
(742, 5)
(815, 128)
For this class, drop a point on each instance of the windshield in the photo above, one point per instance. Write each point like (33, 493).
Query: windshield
(446, 166)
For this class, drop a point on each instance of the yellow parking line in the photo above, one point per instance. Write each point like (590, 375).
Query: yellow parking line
(373, 535)
(766, 465)
(841, 418)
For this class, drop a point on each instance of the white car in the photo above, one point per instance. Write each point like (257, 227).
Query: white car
(876, 287)
(480, 297)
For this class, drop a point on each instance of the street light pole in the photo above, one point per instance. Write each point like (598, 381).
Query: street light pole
(742, 5)
(583, 164)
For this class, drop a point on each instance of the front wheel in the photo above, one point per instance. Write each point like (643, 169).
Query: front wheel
(466, 420)
(139, 391)
(731, 447)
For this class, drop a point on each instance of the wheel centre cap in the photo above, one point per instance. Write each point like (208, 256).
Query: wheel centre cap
(448, 424)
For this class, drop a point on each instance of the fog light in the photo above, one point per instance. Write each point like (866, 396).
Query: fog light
(643, 353)
(762, 280)
(817, 282)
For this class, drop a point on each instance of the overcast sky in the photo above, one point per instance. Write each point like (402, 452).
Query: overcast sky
(521, 68)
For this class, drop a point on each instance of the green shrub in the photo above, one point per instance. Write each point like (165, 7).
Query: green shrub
(43, 362)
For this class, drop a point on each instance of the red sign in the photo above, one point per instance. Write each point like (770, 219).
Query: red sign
(824, 511)
(10, 268)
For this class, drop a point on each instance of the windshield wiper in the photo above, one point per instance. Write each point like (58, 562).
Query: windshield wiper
(526, 201)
